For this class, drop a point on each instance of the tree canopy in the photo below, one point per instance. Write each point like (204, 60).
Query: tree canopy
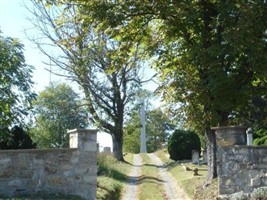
(15, 83)
(108, 76)
(57, 109)
(211, 55)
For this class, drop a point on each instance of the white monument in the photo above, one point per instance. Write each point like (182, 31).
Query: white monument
(143, 148)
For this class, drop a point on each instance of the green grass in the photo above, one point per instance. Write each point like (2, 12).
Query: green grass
(151, 185)
(112, 176)
(185, 179)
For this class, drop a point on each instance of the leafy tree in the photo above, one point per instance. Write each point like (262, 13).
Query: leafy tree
(15, 83)
(181, 143)
(211, 54)
(108, 77)
(57, 108)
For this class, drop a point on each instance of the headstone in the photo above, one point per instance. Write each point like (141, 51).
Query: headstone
(195, 156)
(107, 149)
(249, 136)
(97, 147)
(204, 157)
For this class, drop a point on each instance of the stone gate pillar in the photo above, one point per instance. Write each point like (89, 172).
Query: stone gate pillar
(230, 135)
(226, 138)
(86, 167)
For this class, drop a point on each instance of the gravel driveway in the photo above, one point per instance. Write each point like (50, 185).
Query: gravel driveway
(172, 190)
(131, 191)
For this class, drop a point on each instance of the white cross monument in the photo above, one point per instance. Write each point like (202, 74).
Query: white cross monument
(143, 128)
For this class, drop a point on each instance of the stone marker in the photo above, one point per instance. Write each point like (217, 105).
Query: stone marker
(195, 156)
(107, 149)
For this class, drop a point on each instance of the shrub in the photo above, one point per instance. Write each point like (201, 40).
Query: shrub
(181, 143)
(260, 137)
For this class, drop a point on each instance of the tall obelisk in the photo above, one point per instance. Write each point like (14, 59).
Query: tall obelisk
(143, 148)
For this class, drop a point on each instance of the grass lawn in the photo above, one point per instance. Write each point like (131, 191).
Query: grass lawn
(112, 176)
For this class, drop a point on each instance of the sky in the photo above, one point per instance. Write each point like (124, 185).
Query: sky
(14, 23)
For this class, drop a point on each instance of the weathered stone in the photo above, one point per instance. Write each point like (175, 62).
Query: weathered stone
(256, 182)
(195, 156)
(228, 136)
(16, 182)
(56, 181)
(65, 171)
(241, 168)
(4, 163)
(6, 173)
(89, 179)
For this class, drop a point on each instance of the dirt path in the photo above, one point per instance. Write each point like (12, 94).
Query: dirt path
(131, 191)
(172, 190)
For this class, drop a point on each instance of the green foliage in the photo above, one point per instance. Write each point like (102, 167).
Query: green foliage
(110, 176)
(211, 55)
(181, 143)
(107, 69)
(15, 83)
(16, 138)
(260, 137)
(57, 109)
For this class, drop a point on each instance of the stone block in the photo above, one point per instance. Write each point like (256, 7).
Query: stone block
(88, 146)
(5, 163)
(256, 182)
(56, 181)
(15, 183)
(89, 179)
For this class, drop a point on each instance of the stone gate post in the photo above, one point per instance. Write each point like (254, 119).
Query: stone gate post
(85, 141)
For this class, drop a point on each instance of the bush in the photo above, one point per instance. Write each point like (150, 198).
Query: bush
(181, 143)
(260, 137)
(16, 138)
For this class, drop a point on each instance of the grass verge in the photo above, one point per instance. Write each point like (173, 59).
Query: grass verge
(152, 187)
(192, 185)
(112, 175)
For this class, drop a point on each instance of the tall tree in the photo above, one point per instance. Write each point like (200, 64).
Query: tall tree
(108, 77)
(15, 83)
(211, 54)
(57, 108)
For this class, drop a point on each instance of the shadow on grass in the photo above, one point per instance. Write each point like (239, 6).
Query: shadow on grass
(137, 180)
(111, 193)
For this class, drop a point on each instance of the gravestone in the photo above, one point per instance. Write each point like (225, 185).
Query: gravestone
(107, 149)
(195, 156)
(97, 148)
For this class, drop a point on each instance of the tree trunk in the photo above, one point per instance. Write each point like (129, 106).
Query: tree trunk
(211, 154)
(117, 146)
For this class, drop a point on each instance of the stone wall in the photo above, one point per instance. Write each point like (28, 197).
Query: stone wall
(241, 168)
(58, 171)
